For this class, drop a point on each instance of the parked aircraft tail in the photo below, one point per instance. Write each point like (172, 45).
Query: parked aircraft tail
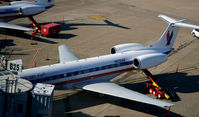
(169, 36)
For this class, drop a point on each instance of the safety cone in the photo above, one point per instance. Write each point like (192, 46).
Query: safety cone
(31, 40)
(177, 67)
(35, 64)
(169, 112)
(47, 56)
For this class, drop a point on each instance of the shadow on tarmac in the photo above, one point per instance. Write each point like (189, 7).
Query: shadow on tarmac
(71, 26)
(88, 99)
(178, 82)
(7, 42)
(64, 26)
(26, 36)
(79, 114)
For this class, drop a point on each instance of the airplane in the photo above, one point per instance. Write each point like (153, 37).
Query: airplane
(19, 9)
(94, 74)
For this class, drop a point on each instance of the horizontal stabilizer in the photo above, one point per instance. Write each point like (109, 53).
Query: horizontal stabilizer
(12, 26)
(65, 55)
(185, 25)
(177, 23)
(167, 19)
(169, 36)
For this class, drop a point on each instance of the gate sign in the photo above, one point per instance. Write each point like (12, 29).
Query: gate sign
(15, 65)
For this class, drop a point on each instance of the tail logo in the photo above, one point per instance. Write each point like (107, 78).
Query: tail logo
(169, 37)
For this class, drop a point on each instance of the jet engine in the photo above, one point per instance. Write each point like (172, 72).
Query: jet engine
(126, 47)
(149, 60)
(31, 10)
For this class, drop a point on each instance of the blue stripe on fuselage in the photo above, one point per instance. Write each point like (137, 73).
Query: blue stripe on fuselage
(74, 73)
(9, 12)
(47, 7)
(167, 52)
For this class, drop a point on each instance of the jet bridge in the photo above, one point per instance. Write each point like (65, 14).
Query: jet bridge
(19, 99)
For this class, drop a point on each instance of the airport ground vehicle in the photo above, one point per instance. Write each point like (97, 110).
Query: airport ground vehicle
(50, 29)
(156, 88)
(46, 30)
(157, 91)
(195, 33)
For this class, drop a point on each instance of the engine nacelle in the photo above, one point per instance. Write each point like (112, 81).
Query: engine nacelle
(149, 60)
(31, 10)
(126, 47)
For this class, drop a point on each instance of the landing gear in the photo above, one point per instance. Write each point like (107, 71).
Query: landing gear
(193, 34)
(35, 26)
(159, 96)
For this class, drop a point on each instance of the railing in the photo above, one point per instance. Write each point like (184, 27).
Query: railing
(8, 83)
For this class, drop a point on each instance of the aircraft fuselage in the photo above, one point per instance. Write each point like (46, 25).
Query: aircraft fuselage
(96, 68)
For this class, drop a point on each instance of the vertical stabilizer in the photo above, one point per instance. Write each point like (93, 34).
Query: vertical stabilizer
(169, 36)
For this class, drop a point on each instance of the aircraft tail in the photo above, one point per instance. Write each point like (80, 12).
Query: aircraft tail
(50, 2)
(169, 36)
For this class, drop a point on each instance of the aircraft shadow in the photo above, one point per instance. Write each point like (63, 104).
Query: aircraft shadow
(64, 27)
(7, 42)
(180, 82)
(175, 82)
(71, 26)
(26, 36)
(78, 114)
(86, 99)
(63, 36)
(107, 23)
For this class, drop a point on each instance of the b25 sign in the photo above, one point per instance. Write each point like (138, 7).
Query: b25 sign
(15, 65)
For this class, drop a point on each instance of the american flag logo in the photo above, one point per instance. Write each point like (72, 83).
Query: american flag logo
(169, 37)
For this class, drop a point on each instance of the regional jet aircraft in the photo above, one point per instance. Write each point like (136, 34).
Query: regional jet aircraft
(20, 9)
(94, 74)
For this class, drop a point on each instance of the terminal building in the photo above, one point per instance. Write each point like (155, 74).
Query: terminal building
(19, 98)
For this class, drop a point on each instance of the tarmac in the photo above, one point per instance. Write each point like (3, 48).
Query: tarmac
(90, 28)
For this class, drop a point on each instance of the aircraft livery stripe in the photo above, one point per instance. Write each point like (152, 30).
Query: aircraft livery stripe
(47, 7)
(93, 77)
(8, 12)
(75, 73)
(14, 16)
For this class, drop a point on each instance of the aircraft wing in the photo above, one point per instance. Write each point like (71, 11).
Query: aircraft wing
(12, 26)
(113, 89)
(65, 55)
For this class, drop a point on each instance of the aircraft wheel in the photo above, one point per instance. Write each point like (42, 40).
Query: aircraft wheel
(194, 35)
(154, 92)
(151, 91)
(159, 96)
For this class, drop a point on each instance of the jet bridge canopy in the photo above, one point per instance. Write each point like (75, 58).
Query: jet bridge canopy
(11, 83)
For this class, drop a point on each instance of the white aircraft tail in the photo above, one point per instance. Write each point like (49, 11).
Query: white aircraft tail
(51, 2)
(169, 36)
